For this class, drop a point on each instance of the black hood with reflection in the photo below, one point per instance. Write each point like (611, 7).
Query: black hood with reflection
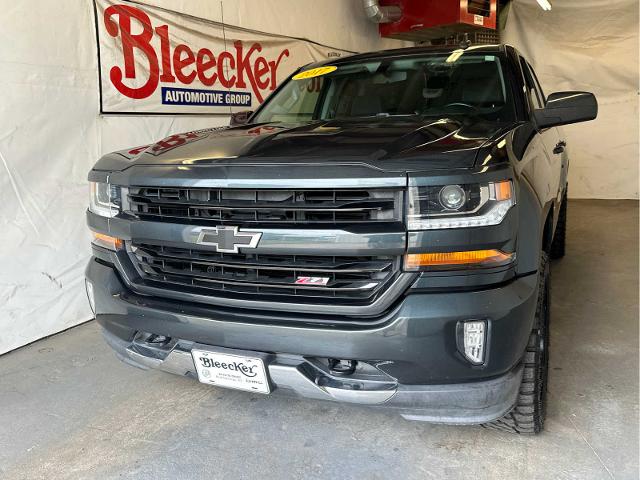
(391, 144)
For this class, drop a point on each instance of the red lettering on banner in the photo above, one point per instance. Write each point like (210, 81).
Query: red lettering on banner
(129, 42)
(165, 49)
(244, 66)
(261, 68)
(274, 67)
(204, 65)
(179, 62)
(222, 69)
(230, 70)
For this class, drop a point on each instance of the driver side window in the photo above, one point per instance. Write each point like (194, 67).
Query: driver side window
(537, 85)
(535, 97)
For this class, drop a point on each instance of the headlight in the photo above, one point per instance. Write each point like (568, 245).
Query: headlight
(459, 206)
(105, 199)
(452, 197)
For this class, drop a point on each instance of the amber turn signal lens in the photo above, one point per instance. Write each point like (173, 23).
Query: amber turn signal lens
(479, 258)
(503, 190)
(107, 241)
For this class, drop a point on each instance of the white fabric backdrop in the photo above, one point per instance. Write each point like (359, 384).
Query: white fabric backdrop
(51, 134)
(589, 45)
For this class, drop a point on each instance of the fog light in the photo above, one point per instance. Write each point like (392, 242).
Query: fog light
(474, 338)
(90, 296)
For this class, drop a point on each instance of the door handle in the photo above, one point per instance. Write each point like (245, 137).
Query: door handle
(559, 148)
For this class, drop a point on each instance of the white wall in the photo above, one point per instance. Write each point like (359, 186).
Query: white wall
(338, 23)
(589, 45)
(51, 134)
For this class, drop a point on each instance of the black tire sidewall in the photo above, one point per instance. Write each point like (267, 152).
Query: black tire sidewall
(541, 331)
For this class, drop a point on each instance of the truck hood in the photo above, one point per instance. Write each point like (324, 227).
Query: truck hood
(390, 144)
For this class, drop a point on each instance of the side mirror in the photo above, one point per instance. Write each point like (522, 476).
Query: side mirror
(240, 118)
(564, 108)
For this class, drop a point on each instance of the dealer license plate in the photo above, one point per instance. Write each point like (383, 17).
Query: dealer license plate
(231, 371)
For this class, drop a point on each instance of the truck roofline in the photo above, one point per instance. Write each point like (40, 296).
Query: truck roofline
(410, 51)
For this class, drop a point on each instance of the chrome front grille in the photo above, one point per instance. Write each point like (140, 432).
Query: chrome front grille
(242, 207)
(348, 280)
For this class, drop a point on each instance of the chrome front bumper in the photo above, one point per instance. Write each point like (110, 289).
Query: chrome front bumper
(459, 403)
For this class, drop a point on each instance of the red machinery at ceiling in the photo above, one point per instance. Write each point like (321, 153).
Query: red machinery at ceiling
(430, 19)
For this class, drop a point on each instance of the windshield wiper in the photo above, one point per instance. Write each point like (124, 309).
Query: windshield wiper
(378, 115)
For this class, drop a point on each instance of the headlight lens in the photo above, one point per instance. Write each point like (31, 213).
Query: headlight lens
(459, 206)
(452, 197)
(105, 199)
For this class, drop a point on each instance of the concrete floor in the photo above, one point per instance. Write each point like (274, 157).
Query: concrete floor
(69, 409)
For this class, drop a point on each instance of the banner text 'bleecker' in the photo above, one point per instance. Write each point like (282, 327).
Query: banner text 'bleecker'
(242, 67)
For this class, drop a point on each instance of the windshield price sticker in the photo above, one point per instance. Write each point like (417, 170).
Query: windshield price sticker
(314, 72)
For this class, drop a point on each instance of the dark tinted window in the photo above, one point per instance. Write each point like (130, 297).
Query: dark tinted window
(537, 84)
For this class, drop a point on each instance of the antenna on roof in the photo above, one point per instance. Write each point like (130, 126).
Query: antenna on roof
(465, 43)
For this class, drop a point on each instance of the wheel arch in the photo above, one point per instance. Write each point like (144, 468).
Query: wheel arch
(536, 226)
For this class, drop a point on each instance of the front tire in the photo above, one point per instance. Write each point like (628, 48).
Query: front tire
(528, 416)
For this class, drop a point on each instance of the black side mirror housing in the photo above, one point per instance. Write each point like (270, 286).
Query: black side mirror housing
(563, 108)
(240, 118)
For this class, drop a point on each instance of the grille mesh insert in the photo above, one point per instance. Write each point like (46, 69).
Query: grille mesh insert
(349, 279)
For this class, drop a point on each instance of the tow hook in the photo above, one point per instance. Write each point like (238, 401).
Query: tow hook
(342, 367)
(158, 339)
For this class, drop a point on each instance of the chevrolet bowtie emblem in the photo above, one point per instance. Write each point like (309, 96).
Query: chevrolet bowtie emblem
(227, 239)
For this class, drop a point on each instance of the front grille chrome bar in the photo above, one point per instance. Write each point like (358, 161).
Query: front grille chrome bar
(286, 207)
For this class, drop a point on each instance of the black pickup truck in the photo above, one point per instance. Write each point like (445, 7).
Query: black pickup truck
(377, 232)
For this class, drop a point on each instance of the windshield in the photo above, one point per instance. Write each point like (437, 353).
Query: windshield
(456, 84)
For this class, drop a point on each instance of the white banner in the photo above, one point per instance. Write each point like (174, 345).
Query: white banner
(154, 61)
